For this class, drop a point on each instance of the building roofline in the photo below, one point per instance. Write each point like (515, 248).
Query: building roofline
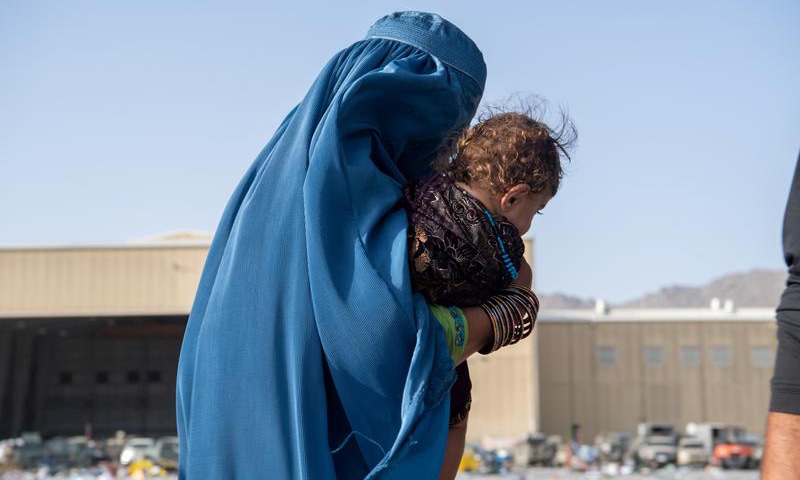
(656, 315)
(670, 315)
(100, 313)
(109, 246)
(176, 239)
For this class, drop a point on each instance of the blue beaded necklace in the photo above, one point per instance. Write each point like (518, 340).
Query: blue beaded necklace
(506, 259)
(512, 270)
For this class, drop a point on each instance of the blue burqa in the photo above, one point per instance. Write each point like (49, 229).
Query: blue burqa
(307, 354)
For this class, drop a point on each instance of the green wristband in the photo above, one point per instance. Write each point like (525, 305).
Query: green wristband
(455, 328)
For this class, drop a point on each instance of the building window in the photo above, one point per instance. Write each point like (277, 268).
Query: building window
(101, 378)
(689, 356)
(761, 357)
(154, 376)
(721, 356)
(606, 355)
(65, 378)
(653, 356)
(133, 376)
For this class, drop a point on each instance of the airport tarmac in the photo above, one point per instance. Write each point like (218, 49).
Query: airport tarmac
(530, 474)
(563, 474)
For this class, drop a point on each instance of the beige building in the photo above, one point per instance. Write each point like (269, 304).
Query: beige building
(609, 370)
(90, 336)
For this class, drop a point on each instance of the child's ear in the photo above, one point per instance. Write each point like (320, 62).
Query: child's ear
(513, 195)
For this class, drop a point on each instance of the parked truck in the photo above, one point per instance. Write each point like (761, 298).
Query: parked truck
(727, 445)
(655, 446)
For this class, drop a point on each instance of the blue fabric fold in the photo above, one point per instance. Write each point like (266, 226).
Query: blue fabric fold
(306, 353)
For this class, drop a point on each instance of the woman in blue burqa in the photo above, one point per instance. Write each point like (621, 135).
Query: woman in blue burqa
(307, 354)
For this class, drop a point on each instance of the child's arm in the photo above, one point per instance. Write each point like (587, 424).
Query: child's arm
(467, 330)
(478, 324)
(480, 331)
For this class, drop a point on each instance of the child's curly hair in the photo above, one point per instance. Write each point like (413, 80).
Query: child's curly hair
(506, 148)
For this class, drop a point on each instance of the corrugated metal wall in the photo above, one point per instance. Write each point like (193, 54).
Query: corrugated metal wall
(505, 397)
(504, 392)
(137, 393)
(58, 376)
(83, 281)
(678, 372)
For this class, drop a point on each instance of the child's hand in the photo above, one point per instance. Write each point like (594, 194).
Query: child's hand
(525, 277)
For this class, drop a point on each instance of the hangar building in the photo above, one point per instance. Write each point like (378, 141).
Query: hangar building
(90, 335)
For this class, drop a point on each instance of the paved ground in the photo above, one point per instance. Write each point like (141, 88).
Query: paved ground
(531, 474)
(560, 474)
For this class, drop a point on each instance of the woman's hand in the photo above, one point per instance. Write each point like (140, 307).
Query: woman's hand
(480, 328)
(525, 277)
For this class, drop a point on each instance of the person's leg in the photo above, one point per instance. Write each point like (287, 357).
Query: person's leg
(460, 404)
(456, 436)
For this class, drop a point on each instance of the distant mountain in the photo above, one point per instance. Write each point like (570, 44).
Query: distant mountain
(563, 301)
(756, 288)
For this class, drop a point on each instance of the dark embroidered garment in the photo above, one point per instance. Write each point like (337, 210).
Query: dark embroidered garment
(455, 257)
(454, 250)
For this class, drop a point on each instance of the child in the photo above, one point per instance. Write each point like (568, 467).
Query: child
(466, 224)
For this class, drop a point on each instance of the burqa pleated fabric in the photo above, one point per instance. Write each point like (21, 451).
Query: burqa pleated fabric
(307, 354)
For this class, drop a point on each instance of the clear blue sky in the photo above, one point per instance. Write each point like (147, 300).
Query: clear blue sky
(124, 119)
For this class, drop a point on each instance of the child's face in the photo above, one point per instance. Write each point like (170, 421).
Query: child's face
(519, 205)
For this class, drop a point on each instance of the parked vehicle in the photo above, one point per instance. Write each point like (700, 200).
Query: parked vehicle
(709, 434)
(612, 447)
(28, 450)
(732, 455)
(656, 452)
(692, 452)
(655, 429)
(6, 451)
(563, 451)
(137, 448)
(166, 453)
(727, 445)
(471, 460)
(536, 449)
(757, 445)
(731, 451)
(497, 461)
(59, 453)
(655, 446)
(145, 468)
(482, 460)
